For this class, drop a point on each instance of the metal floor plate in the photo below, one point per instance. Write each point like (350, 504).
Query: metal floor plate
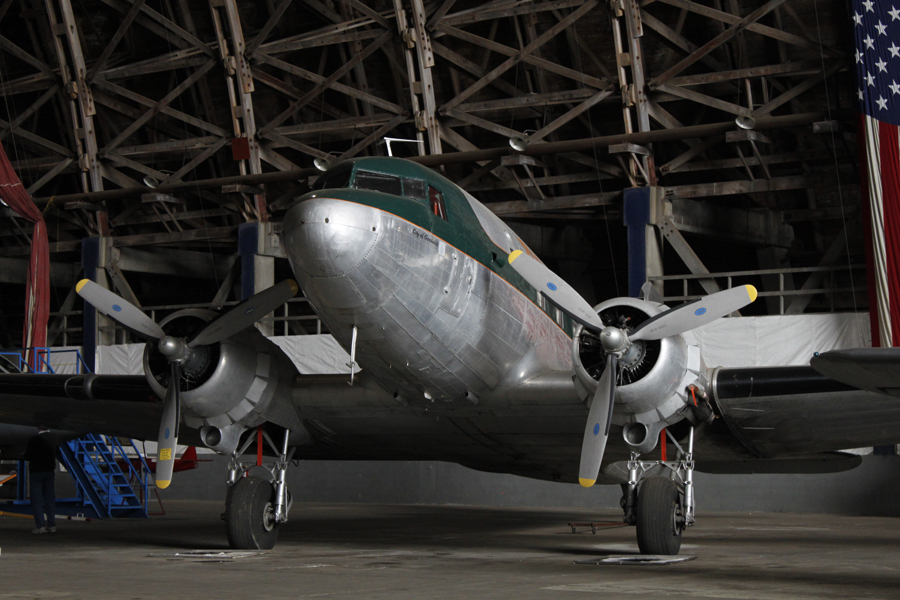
(643, 559)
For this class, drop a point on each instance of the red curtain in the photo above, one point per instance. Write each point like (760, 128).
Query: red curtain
(37, 295)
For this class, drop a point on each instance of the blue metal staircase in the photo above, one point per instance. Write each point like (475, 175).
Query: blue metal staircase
(107, 479)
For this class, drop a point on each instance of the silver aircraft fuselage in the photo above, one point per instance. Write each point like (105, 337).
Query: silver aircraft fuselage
(434, 324)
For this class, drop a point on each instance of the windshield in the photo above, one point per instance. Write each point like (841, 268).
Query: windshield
(378, 182)
(339, 178)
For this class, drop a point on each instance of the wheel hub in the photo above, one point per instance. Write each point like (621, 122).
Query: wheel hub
(268, 520)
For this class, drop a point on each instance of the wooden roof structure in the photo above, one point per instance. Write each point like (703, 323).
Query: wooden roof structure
(165, 124)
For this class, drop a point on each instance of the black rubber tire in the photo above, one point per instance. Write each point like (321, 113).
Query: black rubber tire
(657, 505)
(249, 515)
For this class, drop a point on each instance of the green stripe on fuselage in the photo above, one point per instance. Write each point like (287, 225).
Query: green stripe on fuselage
(462, 229)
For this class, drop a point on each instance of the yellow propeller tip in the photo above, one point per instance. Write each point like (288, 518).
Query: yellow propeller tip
(587, 482)
(81, 284)
(293, 285)
(751, 291)
(514, 255)
(163, 483)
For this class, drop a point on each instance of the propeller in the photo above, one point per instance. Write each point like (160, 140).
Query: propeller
(616, 341)
(178, 350)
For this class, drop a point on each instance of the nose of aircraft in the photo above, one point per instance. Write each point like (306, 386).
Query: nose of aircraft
(329, 238)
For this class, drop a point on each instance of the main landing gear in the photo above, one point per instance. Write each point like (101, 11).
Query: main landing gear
(659, 499)
(256, 506)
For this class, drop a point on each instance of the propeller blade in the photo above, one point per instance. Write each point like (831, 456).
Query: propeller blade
(118, 309)
(168, 430)
(596, 432)
(694, 314)
(246, 313)
(555, 289)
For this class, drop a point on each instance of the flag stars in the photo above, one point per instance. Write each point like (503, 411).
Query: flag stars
(857, 18)
(882, 66)
(859, 57)
(870, 80)
(869, 42)
(870, 5)
(882, 29)
(861, 95)
(895, 88)
(895, 14)
(882, 103)
(894, 50)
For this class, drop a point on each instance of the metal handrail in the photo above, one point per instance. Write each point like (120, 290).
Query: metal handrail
(781, 293)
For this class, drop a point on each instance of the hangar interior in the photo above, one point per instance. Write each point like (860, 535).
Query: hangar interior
(698, 145)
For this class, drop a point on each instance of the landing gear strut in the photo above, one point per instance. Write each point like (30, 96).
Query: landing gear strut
(659, 499)
(254, 506)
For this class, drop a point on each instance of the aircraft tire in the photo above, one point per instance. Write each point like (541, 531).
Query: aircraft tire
(658, 510)
(249, 515)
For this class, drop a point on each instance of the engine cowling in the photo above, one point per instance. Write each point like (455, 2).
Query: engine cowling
(654, 375)
(230, 386)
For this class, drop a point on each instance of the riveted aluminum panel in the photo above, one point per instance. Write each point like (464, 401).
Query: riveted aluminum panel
(440, 318)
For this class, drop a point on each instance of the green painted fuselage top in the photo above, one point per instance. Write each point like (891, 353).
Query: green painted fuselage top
(409, 194)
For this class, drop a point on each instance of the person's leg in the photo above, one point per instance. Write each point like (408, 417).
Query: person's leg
(50, 500)
(37, 499)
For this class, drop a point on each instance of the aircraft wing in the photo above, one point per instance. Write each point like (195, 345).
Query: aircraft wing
(873, 369)
(120, 405)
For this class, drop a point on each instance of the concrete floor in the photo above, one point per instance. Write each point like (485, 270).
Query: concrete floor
(400, 552)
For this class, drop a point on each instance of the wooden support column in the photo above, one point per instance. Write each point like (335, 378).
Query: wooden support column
(626, 14)
(239, 81)
(428, 118)
(81, 102)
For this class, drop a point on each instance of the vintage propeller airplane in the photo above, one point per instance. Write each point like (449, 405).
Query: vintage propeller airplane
(471, 351)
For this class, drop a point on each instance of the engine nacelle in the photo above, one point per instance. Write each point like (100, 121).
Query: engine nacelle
(655, 375)
(228, 387)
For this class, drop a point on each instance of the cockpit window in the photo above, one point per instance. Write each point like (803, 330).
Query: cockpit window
(377, 182)
(414, 188)
(336, 179)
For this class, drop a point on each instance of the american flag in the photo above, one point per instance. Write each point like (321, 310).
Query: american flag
(877, 31)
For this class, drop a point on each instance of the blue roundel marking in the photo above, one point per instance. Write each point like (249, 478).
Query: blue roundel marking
(699, 311)
(596, 428)
(552, 286)
(167, 433)
(117, 308)
(249, 310)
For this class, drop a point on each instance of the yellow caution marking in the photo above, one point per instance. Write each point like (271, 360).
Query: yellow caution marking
(293, 285)
(165, 454)
(514, 255)
(80, 285)
(751, 291)
(163, 484)
(587, 482)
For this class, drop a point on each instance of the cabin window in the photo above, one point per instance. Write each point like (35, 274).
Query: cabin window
(414, 188)
(437, 202)
(378, 182)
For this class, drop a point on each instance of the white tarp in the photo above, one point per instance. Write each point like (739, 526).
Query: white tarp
(63, 360)
(314, 354)
(780, 339)
(124, 359)
(311, 354)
